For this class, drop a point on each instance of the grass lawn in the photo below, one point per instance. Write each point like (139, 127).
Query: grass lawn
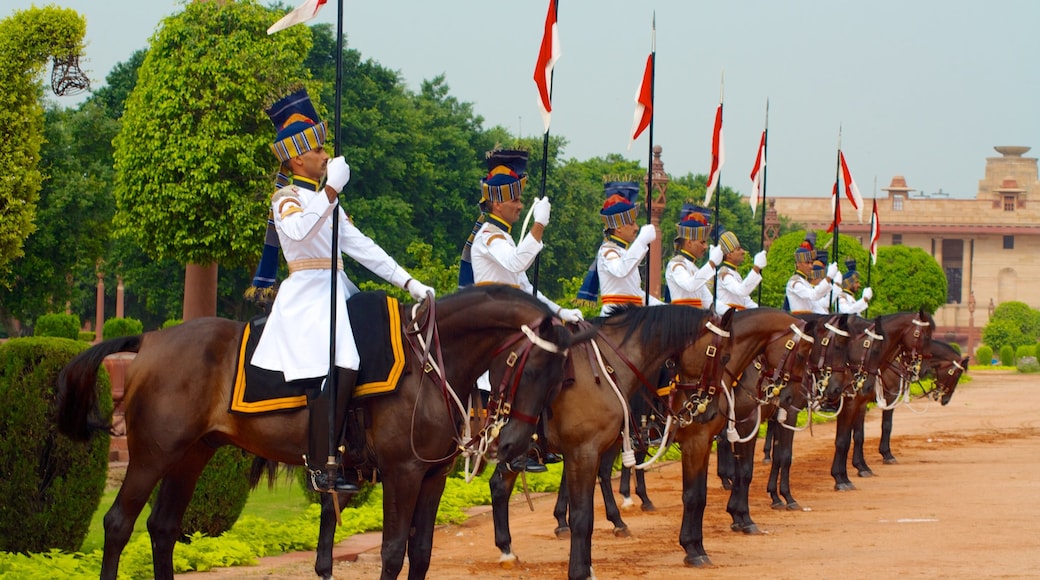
(284, 501)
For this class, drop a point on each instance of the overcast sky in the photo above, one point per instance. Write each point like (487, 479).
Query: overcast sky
(922, 88)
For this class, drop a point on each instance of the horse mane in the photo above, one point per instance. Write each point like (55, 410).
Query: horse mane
(495, 292)
(667, 325)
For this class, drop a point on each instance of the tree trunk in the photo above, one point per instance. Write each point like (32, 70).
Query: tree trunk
(200, 291)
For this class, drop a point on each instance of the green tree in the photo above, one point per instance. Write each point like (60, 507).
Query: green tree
(198, 195)
(1021, 316)
(906, 279)
(28, 39)
(1003, 332)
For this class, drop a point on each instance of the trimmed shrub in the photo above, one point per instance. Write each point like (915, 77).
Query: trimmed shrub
(983, 355)
(51, 486)
(172, 322)
(220, 494)
(60, 325)
(116, 327)
(87, 336)
(1025, 350)
(1007, 355)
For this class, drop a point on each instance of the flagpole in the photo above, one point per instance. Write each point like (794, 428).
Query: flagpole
(765, 166)
(717, 191)
(650, 148)
(870, 240)
(545, 162)
(837, 212)
(330, 462)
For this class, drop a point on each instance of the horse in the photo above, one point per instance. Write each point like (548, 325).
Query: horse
(904, 345)
(945, 366)
(586, 416)
(178, 392)
(823, 373)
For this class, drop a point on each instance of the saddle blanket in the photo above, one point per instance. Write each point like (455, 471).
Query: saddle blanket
(376, 321)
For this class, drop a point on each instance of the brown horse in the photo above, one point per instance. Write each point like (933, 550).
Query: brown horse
(586, 417)
(177, 400)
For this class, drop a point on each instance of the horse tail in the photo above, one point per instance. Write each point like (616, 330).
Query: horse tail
(79, 414)
(261, 468)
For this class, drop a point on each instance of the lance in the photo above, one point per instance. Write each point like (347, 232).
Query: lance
(545, 157)
(650, 148)
(765, 165)
(717, 190)
(837, 213)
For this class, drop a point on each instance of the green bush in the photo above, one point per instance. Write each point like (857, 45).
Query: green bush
(983, 355)
(1028, 364)
(51, 486)
(1025, 350)
(1007, 355)
(116, 327)
(220, 494)
(172, 322)
(956, 347)
(60, 325)
(87, 336)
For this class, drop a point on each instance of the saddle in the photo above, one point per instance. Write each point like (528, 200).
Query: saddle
(378, 332)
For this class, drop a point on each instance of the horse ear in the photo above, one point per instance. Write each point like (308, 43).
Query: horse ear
(964, 363)
(727, 318)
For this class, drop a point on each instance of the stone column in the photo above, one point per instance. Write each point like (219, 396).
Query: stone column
(119, 297)
(99, 318)
(658, 183)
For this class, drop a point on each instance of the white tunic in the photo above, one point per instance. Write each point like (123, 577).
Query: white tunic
(617, 264)
(688, 284)
(497, 259)
(847, 303)
(296, 337)
(734, 292)
(803, 297)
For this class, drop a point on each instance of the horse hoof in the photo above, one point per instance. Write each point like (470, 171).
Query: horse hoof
(866, 473)
(697, 561)
(778, 505)
(507, 561)
(794, 507)
(844, 487)
(622, 532)
(648, 507)
(752, 530)
(766, 461)
(627, 503)
(727, 485)
(563, 533)
(890, 461)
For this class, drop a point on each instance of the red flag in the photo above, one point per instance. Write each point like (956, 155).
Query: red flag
(548, 54)
(304, 12)
(644, 101)
(757, 173)
(875, 233)
(718, 157)
(851, 191)
(836, 210)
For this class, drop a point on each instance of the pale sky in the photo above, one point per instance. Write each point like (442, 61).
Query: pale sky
(920, 88)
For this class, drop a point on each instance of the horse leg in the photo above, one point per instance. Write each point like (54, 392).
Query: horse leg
(647, 505)
(696, 448)
(743, 469)
(842, 439)
(859, 461)
(326, 535)
(726, 462)
(175, 491)
(885, 445)
(140, 479)
(400, 495)
(606, 470)
(581, 484)
(767, 447)
(420, 546)
(783, 455)
(501, 483)
(625, 485)
(563, 529)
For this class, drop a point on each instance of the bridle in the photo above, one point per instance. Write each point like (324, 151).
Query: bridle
(770, 386)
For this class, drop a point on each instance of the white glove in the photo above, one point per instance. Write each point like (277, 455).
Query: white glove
(715, 255)
(760, 260)
(868, 294)
(541, 209)
(418, 290)
(647, 234)
(836, 280)
(338, 173)
(832, 270)
(571, 315)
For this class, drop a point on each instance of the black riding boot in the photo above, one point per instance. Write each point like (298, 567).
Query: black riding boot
(324, 473)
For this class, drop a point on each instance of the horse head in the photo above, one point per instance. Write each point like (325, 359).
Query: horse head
(700, 375)
(779, 344)
(827, 366)
(911, 334)
(946, 366)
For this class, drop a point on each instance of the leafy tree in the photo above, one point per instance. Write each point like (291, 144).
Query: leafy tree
(1022, 316)
(28, 38)
(1003, 332)
(907, 279)
(198, 195)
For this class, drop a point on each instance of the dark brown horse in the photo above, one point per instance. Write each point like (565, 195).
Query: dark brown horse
(945, 366)
(587, 416)
(177, 399)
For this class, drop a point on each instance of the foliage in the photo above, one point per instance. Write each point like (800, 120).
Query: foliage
(1007, 355)
(87, 336)
(28, 39)
(220, 494)
(983, 355)
(1000, 333)
(116, 327)
(51, 485)
(1024, 350)
(1012, 323)
(171, 322)
(203, 86)
(60, 325)
(906, 279)
(956, 347)
(1028, 364)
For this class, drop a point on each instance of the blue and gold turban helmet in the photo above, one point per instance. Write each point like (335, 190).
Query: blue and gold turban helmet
(299, 128)
(806, 251)
(693, 223)
(851, 277)
(507, 176)
(620, 206)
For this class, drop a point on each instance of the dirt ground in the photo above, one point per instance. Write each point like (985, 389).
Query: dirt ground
(963, 501)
